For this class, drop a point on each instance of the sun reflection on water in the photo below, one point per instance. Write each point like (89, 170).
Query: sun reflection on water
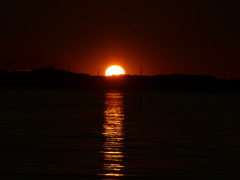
(114, 135)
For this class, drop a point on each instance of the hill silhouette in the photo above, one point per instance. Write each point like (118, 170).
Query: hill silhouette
(50, 77)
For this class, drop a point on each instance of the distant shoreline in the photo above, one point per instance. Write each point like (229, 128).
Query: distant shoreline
(50, 77)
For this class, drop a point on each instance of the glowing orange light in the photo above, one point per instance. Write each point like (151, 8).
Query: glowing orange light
(114, 70)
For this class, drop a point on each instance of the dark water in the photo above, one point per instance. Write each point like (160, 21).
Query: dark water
(81, 134)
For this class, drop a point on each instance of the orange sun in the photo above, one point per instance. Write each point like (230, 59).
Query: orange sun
(114, 70)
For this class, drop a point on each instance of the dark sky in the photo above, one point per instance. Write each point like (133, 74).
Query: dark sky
(164, 36)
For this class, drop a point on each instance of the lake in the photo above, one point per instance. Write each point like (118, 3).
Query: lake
(66, 133)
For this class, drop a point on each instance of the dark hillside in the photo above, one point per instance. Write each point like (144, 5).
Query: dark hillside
(50, 77)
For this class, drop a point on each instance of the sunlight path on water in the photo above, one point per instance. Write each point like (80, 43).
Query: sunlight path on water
(114, 135)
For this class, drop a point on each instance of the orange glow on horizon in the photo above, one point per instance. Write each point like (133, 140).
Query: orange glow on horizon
(114, 70)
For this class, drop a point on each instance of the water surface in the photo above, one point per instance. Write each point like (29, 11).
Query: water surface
(81, 134)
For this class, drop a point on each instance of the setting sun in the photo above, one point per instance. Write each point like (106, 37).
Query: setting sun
(114, 70)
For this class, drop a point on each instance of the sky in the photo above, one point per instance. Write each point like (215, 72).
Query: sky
(165, 37)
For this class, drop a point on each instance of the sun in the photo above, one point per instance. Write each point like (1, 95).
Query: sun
(114, 70)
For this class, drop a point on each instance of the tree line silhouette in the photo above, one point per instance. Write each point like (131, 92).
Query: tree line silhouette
(50, 77)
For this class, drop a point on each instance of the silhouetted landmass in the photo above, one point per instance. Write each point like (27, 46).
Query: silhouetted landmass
(50, 77)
